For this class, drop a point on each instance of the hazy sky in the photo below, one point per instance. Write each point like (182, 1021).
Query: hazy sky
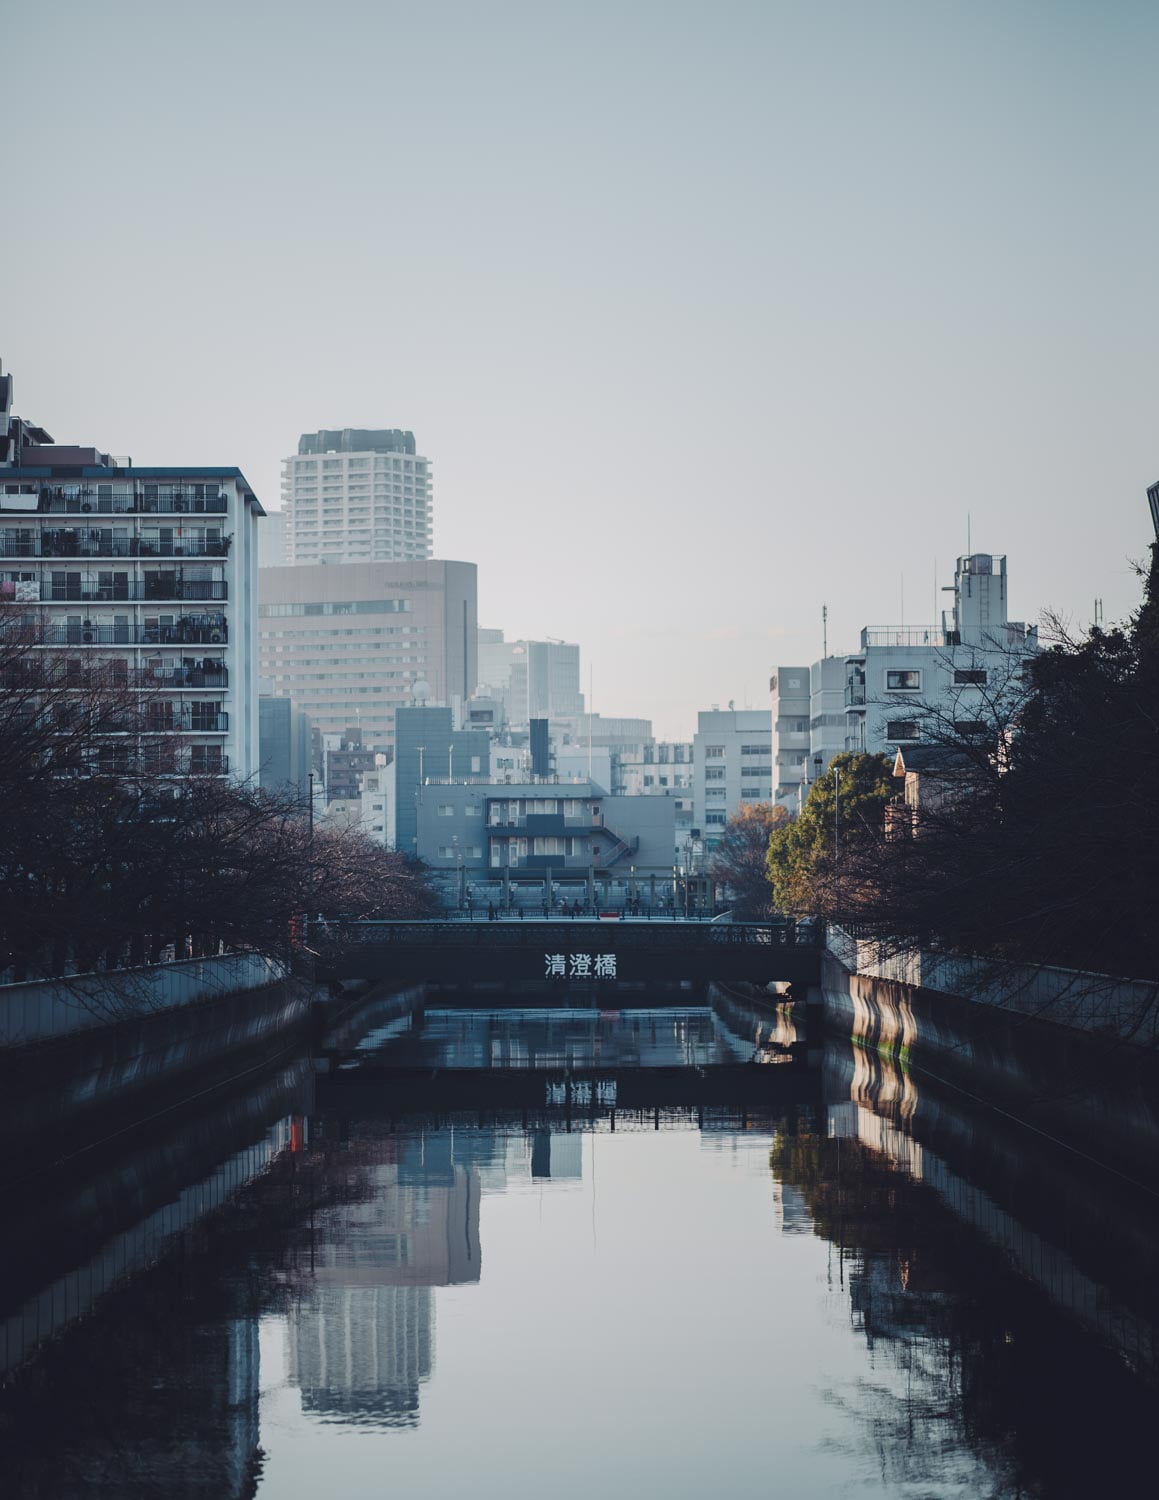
(705, 313)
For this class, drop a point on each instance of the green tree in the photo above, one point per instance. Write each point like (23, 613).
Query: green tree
(843, 815)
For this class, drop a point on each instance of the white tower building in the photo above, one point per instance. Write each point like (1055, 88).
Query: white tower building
(357, 495)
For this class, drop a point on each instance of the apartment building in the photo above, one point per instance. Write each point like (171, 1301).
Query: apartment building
(148, 571)
(357, 495)
(352, 642)
(887, 694)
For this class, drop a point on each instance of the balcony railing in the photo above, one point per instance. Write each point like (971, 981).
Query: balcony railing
(180, 633)
(85, 501)
(95, 543)
(855, 696)
(180, 677)
(183, 720)
(133, 590)
(913, 635)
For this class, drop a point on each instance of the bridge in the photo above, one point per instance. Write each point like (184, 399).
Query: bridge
(566, 952)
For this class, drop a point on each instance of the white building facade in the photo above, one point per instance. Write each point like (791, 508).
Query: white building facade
(961, 675)
(357, 495)
(732, 765)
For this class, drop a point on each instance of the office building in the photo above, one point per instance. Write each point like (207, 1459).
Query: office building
(150, 572)
(272, 540)
(732, 764)
(532, 679)
(284, 741)
(357, 495)
(428, 749)
(351, 642)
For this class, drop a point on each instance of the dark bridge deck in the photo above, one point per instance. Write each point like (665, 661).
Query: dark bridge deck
(566, 951)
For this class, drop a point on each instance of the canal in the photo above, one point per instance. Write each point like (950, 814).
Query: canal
(672, 1250)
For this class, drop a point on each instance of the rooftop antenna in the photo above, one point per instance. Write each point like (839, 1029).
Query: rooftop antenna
(968, 534)
(1098, 614)
(824, 630)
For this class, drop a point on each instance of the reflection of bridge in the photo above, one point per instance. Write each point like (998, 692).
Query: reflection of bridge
(566, 951)
(536, 1096)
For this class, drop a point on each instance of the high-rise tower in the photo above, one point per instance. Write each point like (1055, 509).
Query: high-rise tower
(357, 495)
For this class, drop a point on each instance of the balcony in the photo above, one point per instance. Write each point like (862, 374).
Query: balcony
(855, 695)
(181, 677)
(97, 542)
(116, 633)
(85, 500)
(182, 719)
(166, 586)
(133, 590)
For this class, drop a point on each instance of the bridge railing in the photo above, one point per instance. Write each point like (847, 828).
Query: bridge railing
(620, 935)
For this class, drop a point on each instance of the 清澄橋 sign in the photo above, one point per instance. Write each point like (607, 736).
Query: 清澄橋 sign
(579, 965)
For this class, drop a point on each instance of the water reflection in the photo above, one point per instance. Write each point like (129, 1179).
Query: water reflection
(896, 1297)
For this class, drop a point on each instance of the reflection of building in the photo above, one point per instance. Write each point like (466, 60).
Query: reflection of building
(557, 1155)
(361, 1339)
(363, 1351)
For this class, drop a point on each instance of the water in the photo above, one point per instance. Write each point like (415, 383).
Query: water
(807, 1279)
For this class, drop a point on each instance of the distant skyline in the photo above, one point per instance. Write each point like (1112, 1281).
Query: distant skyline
(704, 316)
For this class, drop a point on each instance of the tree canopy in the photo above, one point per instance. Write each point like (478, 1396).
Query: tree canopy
(843, 815)
(113, 851)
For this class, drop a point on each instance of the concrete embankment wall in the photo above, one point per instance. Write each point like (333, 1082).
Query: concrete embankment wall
(126, 1043)
(1056, 1050)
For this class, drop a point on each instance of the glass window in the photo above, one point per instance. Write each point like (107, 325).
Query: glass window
(901, 729)
(905, 681)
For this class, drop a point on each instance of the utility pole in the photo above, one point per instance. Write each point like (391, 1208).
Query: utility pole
(824, 630)
(310, 807)
(836, 813)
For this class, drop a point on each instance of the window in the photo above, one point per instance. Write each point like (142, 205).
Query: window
(792, 726)
(713, 752)
(714, 820)
(903, 682)
(970, 727)
(714, 773)
(901, 729)
(474, 810)
(446, 810)
(970, 677)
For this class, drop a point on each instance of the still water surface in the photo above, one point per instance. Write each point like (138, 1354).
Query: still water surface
(791, 1295)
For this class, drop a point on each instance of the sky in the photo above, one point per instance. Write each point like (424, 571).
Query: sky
(706, 314)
